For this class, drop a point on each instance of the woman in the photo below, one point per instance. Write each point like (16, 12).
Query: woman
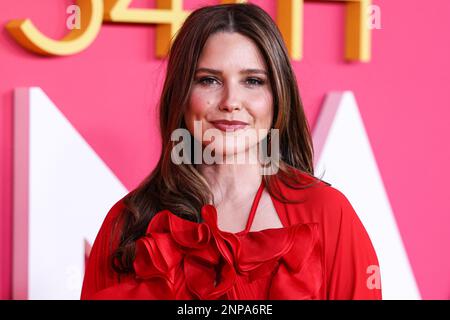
(229, 229)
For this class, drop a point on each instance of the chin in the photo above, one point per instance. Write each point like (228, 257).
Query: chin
(234, 153)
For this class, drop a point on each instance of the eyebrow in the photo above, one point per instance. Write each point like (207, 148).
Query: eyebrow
(244, 71)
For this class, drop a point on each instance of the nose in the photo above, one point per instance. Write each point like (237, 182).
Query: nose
(231, 100)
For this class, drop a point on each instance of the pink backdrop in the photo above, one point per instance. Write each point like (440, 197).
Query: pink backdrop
(403, 93)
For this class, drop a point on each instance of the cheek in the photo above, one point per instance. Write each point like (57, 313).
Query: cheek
(262, 111)
(198, 104)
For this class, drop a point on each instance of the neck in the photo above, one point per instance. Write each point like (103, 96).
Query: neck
(231, 181)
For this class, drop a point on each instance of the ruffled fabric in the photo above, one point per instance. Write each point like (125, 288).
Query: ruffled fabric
(181, 259)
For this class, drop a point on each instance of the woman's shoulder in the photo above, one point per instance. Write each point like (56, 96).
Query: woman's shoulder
(348, 249)
(108, 236)
(99, 273)
(311, 189)
(115, 211)
(317, 201)
(110, 229)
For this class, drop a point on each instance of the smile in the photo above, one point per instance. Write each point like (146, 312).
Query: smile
(228, 125)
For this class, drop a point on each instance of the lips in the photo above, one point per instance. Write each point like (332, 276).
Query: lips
(229, 125)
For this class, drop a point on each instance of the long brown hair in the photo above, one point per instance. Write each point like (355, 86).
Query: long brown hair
(180, 188)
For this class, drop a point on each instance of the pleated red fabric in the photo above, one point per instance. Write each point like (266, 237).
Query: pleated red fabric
(322, 252)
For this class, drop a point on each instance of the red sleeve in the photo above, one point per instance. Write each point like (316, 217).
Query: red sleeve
(353, 269)
(99, 273)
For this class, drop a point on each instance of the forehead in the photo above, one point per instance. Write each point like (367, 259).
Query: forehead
(225, 50)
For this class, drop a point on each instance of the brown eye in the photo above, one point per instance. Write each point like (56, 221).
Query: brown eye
(207, 81)
(254, 81)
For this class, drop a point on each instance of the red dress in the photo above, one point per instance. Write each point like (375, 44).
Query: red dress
(322, 252)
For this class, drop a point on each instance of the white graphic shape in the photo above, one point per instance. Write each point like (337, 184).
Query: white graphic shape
(62, 192)
(345, 157)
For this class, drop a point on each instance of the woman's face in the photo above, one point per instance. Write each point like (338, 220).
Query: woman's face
(231, 95)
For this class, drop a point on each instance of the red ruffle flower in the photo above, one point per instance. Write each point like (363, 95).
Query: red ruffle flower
(181, 259)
